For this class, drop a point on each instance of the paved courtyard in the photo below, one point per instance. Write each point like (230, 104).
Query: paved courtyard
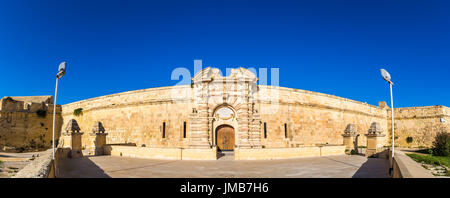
(342, 166)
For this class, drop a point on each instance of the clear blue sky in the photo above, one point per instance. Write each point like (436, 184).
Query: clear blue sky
(333, 47)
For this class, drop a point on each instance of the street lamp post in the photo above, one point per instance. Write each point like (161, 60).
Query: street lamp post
(386, 76)
(61, 72)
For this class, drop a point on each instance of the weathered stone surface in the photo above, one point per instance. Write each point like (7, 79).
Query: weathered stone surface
(420, 123)
(292, 117)
(98, 128)
(350, 130)
(72, 127)
(38, 168)
(375, 129)
(311, 118)
(26, 123)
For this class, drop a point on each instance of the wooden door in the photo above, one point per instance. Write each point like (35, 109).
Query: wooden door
(225, 138)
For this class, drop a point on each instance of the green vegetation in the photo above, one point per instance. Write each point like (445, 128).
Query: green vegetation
(78, 112)
(441, 144)
(353, 152)
(41, 113)
(425, 151)
(430, 159)
(438, 156)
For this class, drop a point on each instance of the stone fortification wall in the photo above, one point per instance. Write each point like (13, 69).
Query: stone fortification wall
(27, 125)
(138, 116)
(421, 124)
(312, 118)
(160, 118)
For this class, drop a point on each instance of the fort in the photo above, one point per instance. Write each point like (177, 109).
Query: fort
(26, 123)
(223, 113)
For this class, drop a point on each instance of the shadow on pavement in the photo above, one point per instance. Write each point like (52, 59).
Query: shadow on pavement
(79, 168)
(373, 168)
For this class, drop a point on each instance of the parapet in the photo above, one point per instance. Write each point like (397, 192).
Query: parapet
(28, 104)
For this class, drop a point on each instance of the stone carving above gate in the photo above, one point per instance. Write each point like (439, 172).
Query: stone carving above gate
(210, 74)
(224, 113)
(212, 90)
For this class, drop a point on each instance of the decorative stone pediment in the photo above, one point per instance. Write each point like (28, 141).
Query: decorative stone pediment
(375, 129)
(98, 128)
(72, 127)
(350, 130)
(210, 74)
(224, 113)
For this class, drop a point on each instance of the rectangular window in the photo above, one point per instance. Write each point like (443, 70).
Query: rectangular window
(184, 129)
(285, 131)
(164, 130)
(265, 130)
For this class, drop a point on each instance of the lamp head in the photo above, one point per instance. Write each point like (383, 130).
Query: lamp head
(61, 70)
(386, 76)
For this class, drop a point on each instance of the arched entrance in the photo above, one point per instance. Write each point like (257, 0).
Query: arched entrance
(225, 138)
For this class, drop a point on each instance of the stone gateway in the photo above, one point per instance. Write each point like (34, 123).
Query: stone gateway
(225, 138)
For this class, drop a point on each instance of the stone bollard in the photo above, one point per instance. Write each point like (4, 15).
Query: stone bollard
(374, 140)
(349, 138)
(72, 136)
(100, 138)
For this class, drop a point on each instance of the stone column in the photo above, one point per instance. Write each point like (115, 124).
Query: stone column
(349, 138)
(100, 138)
(199, 137)
(375, 139)
(243, 127)
(255, 130)
(199, 118)
(72, 130)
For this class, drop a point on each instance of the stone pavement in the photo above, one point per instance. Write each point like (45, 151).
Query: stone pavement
(341, 166)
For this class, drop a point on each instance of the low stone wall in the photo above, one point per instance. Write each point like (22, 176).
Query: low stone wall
(211, 154)
(287, 153)
(60, 154)
(199, 154)
(38, 168)
(143, 152)
(332, 150)
(43, 166)
(405, 167)
(161, 153)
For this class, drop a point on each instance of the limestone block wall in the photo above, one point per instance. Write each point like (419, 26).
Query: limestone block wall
(137, 116)
(22, 129)
(420, 123)
(312, 118)
(141, 152)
